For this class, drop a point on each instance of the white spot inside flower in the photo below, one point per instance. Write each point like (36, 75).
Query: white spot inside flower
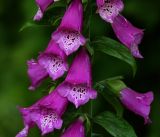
(78, 92)
(107, 8)
(70, 39)
(48, 119)
(55, 64)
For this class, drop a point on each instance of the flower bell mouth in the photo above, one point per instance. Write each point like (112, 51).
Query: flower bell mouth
(109, 9)
(49, 120)
(55, 66)
(69, 41)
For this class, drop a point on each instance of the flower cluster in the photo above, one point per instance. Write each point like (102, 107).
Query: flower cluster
(77, 86)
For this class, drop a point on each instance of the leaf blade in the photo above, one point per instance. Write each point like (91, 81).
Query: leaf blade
(115, 49)
(116, 126)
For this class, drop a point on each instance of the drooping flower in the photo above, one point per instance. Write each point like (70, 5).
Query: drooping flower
(52, 62)
(77, 86)
(68, 35)
(137, 102)
(129, 35)
(109, 9)
(42, 6)
(76, 129)
(46, 114)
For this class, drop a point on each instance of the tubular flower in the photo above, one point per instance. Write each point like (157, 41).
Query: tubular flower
(42, 6)
(77, 85)
(52, 62)
(129, 35)
(109, 9)
(46, 114)
(76, 129)
(137, 102)
(68, 35)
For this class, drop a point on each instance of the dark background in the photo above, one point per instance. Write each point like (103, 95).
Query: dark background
(17, 47)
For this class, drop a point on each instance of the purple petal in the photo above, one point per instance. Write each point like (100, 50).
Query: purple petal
(76, 129)
(47, 120)
(136, 102)
(24, 132)
(69, 41)
(42, 6)
(73, 17)
(77, 94)
(46, 113)
(129, 35)
(55, 66)
(80, 70)
(109, 9)
(68, 34)
(36, 74)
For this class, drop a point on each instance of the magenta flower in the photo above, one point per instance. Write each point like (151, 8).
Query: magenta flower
(109, 9)
(129, 35)
(42, 6)
(52, 62)
(68, 35)
(76, 129)
(77, 85)
(46, 114)
(137, 102)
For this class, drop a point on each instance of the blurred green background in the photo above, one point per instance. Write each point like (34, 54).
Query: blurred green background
(17, 47)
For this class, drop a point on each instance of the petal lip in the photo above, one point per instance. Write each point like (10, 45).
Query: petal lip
(77, 94)
(54, 65)
(109, 9)
(68, 40)
(139, 103)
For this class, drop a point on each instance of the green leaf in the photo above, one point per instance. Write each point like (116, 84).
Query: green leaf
(117, 127)
(58, 4)
(115, 49)
(90, 49)
(87, 124)
(110, 98)
(33, 24)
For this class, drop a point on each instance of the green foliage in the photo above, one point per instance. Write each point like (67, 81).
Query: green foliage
(116, 126)
(107, 89)
(115, 49)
